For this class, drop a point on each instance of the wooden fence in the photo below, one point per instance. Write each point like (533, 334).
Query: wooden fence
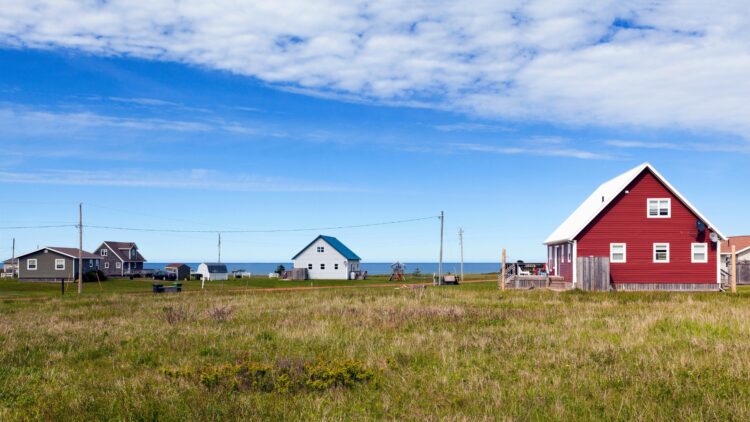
(593, 273)
(743, 273)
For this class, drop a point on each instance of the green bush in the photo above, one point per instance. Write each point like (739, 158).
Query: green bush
(283, 376)
(92, 276)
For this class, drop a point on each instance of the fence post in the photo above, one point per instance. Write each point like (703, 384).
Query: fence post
(502, 272)
(734, 269)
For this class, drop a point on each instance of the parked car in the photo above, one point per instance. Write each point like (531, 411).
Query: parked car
(163, 275)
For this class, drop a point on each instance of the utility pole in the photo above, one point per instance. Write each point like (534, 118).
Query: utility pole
(80, 248)
(440, 262)
(219, 248)
(461, 241)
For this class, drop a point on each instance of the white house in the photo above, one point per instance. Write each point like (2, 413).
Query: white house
(326, 258)
(212, 271)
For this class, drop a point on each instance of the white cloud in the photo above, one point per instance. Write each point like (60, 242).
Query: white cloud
(670, 64)
(533, 149)
(179, 179)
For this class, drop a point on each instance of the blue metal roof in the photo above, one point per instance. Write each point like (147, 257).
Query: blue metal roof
(335, 244)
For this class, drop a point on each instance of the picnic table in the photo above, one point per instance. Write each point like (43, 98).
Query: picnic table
(173, 288)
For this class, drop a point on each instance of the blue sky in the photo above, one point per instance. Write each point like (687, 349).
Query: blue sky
(257, 128)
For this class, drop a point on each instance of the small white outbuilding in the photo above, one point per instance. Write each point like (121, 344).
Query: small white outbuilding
(213, 271)
(326, 258)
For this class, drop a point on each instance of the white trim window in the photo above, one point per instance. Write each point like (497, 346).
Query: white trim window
(118, 265)
(321, 249)
(106, 265)
(570, 253)
(32, 264)
(309, 266)
(659, 208)
(699, 253)
(335, 266)
(618, 253)
(103, 252)
(59, 265)
(322, 266)
(661, 253)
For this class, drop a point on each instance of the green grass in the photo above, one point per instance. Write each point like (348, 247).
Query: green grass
(10, 289)
(463, 352)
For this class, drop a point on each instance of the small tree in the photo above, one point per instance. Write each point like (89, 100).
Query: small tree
(280, 269)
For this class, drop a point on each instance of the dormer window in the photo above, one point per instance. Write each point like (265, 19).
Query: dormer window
(659, 208)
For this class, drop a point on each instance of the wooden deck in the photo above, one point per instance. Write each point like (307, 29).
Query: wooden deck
(537, 282)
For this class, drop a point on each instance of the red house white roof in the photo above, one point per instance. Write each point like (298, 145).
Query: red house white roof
(603, 196)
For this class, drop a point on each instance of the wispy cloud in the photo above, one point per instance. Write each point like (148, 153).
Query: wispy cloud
(667, 64)
(145, 101)
(22, 119)
(472, 127)
(531, 150)
(642, 144)
(736, 147)
(194, 179)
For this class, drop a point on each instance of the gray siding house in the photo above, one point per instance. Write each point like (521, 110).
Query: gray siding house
(54, 264)
(120, 259)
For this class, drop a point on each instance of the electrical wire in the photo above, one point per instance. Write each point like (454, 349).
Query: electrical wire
(55, 226)
(160, 230)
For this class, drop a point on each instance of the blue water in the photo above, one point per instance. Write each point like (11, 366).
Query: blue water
(370, 267)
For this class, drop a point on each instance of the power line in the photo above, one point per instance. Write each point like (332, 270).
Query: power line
(55, 226)
(163, 230)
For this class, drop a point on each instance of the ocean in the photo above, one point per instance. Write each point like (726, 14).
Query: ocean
(374, 268)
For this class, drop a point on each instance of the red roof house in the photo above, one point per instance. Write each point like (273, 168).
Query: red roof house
(654, 238)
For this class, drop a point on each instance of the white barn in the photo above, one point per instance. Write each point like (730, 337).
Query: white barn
(326, 258)
(210, 271)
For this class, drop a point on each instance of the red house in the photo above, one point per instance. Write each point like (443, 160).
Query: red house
(654, 238)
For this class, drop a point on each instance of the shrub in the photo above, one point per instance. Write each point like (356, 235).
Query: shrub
(221, 313)
(94, 276)
(283, 376)
(175, 314)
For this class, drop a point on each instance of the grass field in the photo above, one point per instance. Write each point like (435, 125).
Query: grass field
(15, 289)
(459, 352)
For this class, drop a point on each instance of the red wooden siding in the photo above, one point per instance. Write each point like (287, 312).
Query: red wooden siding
(625, 221)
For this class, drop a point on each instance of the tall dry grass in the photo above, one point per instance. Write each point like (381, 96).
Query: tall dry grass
(456, 353)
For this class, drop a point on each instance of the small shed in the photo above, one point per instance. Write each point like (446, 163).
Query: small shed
(213, 271)
(182, 271)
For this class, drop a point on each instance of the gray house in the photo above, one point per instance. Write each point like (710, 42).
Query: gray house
(54, 263)
(120, 259)
(742, 249)
(181, 271)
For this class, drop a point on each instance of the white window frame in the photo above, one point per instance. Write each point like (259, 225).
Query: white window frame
(118, 265)
(57, 261)
(309, 266)
(322, 266)
(106, 265)
(658, 207)
(335, 266)
(653, 255)
(612, 259)
(103, 252)
(570, 253)
(29, 266)
(705, 253)
(321, 249)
